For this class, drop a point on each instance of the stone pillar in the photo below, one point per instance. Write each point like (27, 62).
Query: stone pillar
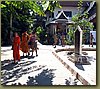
(78, 58)
(78, 41)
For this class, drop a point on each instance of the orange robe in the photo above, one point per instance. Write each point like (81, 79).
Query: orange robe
(16, 48)
(24, 44)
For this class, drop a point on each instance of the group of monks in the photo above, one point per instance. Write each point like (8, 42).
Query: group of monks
(24, 44)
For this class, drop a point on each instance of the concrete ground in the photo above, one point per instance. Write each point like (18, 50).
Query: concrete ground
(86, 72)
(45, 69)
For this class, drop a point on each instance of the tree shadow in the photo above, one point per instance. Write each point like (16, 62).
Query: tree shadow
(29, 57)
(90, 58)
(11, 72)
(79, 66)
(6, 50)
(44, 78)
(7, 65)
(67, 82)
(22, 57)
(19, 84)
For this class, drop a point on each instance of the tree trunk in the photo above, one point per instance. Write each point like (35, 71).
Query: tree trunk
(11, 20)
(10, 35)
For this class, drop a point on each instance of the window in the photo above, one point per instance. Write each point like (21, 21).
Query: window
(67, 13)
(52, 15)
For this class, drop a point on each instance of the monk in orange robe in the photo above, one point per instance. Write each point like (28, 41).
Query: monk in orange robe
(24, 43)
(16, 48)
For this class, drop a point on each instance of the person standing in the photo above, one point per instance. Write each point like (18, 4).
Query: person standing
(63, 40)
(91, 39)
(24, 43)
(34, 40)
(16, 48)
(29, 43)
(55, 40)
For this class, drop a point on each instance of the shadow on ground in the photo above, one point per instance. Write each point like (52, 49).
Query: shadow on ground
(11, 71)
(29, 57)
(6, 50)
(80, 66)
(44, 78)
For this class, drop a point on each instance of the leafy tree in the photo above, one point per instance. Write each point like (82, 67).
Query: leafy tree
(20, 15)
(71, 35)
(81, 20)
(16, 15)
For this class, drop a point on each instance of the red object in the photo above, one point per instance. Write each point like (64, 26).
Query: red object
(16, 48)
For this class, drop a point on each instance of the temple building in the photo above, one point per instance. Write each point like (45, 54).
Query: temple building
(59, 20)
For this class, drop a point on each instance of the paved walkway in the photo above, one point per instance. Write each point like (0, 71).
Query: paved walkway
(86, 73)
(45, 69)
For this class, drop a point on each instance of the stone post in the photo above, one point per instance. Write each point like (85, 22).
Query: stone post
(78, 42)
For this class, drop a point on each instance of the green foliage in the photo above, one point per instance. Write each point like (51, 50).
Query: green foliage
(80, 6)
(19, 15)
(45, 5)
(52, 5)
(29, 31)
(39, 30)
(71, 34)
(68, 42)
(41, 34)
(82, 21)
(3, 6)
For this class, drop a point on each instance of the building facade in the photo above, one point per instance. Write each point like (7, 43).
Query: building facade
(59, 20)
